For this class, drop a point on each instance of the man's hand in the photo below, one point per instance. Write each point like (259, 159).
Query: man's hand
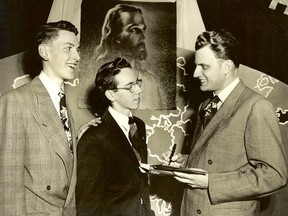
(193, 180)
(177, 160)
(94, 122)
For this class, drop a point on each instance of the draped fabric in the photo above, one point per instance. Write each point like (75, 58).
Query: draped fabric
(69, 10)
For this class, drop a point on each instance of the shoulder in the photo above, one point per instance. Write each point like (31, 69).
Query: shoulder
(138, 120)
(140, 125)
(255, 100)
(18, 95)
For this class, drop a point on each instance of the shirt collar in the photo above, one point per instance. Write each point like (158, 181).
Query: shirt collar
(52, 88)
(227, 90)
(119, 118)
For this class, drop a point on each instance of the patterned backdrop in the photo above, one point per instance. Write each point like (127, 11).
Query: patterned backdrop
(165, 127)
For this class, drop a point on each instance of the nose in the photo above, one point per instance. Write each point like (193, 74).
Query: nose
(142, 35)
(197, 72)
(138, 89)
(76, 55)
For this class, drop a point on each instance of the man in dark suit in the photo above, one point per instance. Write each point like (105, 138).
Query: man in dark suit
(240, 147)
(37, 151)
(110, 180)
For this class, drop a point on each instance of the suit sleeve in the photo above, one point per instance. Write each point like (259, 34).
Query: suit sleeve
(12, 150)
(266, 170)
(89, 173)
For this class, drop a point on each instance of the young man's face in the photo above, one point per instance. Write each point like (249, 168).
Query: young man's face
(124, 100)
(132, 37)
(62, 56)
(209, 70)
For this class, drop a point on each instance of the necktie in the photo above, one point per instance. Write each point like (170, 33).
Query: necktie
(64, 118)
(210, 110)
(133, 137)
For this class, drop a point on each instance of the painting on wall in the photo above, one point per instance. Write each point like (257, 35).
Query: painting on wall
(144, 33)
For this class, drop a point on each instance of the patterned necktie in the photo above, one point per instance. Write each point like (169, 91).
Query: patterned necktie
(133, 137)
(64, 118)
(210, 110)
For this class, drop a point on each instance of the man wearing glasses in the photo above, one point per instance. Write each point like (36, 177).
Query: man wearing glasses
(110, 180)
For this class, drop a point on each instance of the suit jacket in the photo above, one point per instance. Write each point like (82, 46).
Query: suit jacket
(109, 179)
(37, 169)
(242, 150)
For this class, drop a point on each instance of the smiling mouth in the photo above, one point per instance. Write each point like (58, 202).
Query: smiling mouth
(72, 66)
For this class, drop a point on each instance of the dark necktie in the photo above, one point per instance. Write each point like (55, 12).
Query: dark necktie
(210, 110)
(64, 118)
(133, 137)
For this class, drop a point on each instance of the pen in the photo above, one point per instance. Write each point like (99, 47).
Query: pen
(172, 153)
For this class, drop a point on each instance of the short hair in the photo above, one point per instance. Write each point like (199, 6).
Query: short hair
(105, 79)
(50, 30)
(222, 43)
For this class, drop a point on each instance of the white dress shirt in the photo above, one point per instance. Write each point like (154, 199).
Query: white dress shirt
(122, 121)
(53, 90)
(226, 92)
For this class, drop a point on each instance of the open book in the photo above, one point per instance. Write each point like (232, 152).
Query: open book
(168, 170)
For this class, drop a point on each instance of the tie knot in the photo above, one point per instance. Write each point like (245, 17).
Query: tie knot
(215, 99)
(131, 120)
(61, 94)
(212, 104)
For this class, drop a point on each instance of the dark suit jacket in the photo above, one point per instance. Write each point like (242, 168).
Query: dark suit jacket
(109, 180)
(242, 150)
(37, 175)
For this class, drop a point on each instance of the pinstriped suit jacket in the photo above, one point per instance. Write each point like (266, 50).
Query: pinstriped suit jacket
(37, 174)
(242, 150)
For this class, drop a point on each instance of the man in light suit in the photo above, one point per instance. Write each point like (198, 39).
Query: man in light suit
(110, 181)
(240, 148)
(37, 155)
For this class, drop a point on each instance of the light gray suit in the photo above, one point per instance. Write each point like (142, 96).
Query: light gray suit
(242, 150)
(37, 169)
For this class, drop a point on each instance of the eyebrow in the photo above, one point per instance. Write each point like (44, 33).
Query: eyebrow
(71, 44)
(133, 25)
(131, 83)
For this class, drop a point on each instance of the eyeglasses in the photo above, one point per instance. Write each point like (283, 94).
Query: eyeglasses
(132, 86)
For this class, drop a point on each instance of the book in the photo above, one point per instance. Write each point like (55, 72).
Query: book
(168, 170)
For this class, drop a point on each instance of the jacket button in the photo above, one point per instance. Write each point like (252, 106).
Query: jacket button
(198, 211)
(210, 162)
(48, 187)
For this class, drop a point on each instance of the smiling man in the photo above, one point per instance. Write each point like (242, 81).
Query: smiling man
(37, 151)
(237, 139)
(110, 181)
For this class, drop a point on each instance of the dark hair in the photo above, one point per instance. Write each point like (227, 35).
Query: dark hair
(50, 30)
(222, 43)
(105, 80)
(32, 62)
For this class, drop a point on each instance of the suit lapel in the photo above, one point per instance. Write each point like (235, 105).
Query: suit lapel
(49, 122)
(220, 120)
(117, 134)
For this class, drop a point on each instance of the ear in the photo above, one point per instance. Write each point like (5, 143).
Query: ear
(42, 50)
(228, 66)
(110, 95)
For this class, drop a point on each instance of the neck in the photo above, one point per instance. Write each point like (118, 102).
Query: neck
(51, 75)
